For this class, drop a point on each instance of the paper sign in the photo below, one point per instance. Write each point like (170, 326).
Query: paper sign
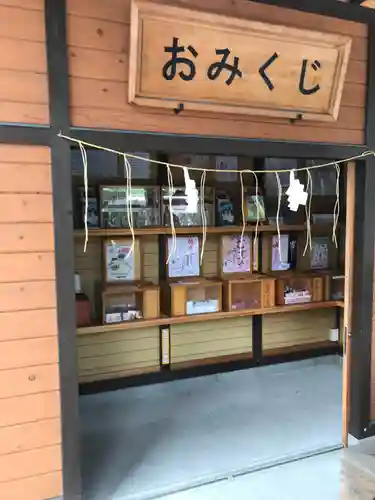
(280, 264)
(319, 253)
(233, 260)
(120, 262)
(226, 163)
(141, 169)
(185, 260)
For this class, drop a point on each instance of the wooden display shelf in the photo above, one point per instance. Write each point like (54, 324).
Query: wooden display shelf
(165, 320)
(265, 228)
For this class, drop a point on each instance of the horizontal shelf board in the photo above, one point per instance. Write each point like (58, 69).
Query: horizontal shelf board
(164, 320)
(199, 230)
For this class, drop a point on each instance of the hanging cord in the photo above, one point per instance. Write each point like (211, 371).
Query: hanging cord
(86, 187)
(336, 209)
(309, 190)
(278, 213)
(257, 205)
(203, 213)
(243, 213)
(313, 167)
(129, 202)
(170, 194)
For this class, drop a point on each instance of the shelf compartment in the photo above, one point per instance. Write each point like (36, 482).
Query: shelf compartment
(130, 302)
(248, 292)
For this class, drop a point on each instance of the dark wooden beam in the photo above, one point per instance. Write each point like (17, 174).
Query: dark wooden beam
(57, 62)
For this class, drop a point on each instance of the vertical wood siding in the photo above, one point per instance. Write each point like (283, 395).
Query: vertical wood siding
(30, 452)
(98, 38)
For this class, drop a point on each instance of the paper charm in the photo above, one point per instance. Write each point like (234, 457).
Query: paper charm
(191, 193)
(295, 192)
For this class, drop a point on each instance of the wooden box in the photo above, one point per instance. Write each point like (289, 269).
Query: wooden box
(139, 300)
(192, 296)
(299, 288)
(178, 202)
(335, 286)
(145, 206)
(248, 292)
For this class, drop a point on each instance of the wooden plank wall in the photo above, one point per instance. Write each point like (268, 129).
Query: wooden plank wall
(285, 330)
(210, 340)
(118, 354)
(98, 37)
(23, 67)
(30, 453)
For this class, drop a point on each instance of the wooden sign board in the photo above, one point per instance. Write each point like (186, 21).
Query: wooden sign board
(182, 59)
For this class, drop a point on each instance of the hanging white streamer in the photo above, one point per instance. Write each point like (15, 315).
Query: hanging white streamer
(336, 209)
(170, 194)
(278, 213)
(203, 214)
(129, 202)
(86, 187)
(309, 190)
(243, 213)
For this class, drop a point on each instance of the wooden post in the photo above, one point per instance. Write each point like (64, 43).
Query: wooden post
(349, 252)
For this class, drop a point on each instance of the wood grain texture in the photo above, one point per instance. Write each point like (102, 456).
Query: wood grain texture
(25, 178)
(23, 65)
(211, 339)
(10, 153)
(30, 408)
(23, 56)
(252, 43)
(28, 352)
(297, 328)
(25, 208)
(26, 24)
(24, 112)
(30, 237)
(30, 450)
(348, 293)
(28, 324)
(116, 372)
(30, 463)
(37, 487)
(27, 296)
(119, 11)
(29, 436)
(23, 87)
(31, 380)
(98, 46)
(25, 4)
(27, 267)
(119, 354)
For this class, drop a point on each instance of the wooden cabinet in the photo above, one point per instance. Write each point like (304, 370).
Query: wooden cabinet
(190, 296)
(299, 288)
(248, 292)
(130, 302)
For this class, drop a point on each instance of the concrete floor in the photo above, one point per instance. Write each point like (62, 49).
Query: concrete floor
(152, 441)
(316, 478)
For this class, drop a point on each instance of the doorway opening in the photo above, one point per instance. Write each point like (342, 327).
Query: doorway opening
(250, 374)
